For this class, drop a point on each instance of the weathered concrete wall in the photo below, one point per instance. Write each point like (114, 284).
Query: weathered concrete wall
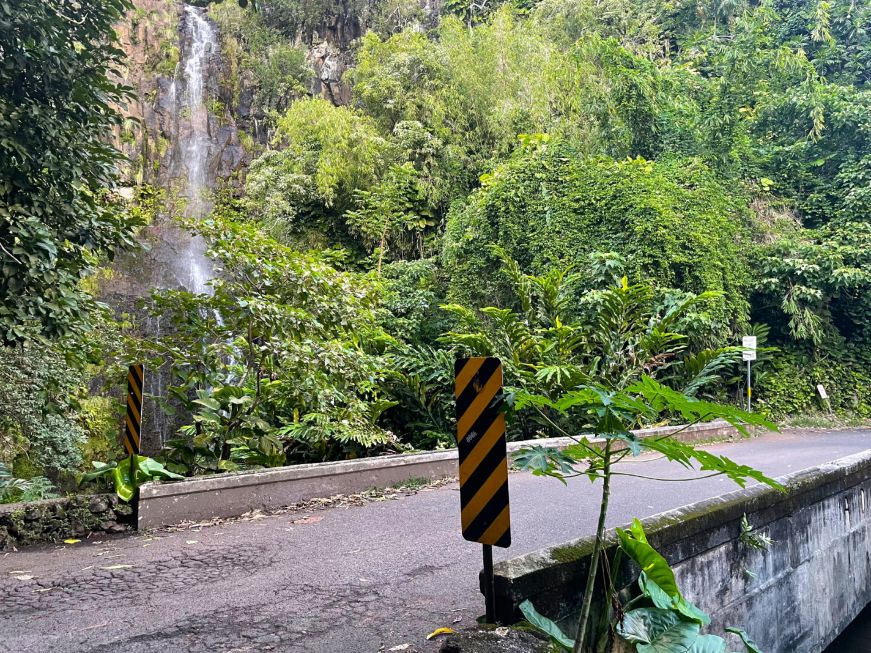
(53, 520)
(795, 597)
(227, 495)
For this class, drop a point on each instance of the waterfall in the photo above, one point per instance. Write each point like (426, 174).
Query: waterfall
(202, 147)
(194, 137)
(196, 150)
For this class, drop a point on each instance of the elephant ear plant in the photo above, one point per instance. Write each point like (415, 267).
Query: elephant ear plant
(621, 395)
(129, 473)
(659, 619)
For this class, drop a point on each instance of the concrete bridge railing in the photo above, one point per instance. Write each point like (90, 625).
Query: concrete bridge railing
(795, 597)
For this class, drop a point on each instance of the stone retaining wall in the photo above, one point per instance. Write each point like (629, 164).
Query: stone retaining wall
(54, 520)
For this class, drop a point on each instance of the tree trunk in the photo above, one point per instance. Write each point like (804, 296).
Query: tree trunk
(597, 550)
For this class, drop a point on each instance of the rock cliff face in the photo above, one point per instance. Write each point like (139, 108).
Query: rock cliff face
(157, 38)
(329, 64)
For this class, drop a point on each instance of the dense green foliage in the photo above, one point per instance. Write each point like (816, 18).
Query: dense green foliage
(38, 429)
(279, 363)
(57, 215)
(549, 207)
(498, 172)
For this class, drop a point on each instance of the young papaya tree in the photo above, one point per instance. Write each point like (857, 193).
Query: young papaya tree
(625, 388)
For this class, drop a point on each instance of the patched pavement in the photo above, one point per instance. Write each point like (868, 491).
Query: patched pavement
(362, 576)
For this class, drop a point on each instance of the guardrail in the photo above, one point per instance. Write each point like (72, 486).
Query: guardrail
(232, 494)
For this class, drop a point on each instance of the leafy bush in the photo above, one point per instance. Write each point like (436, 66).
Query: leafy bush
(549, 207)
(38, 429)
(326, 155)
(411, 293)
(279, 364)
(789, 384)
(814, 286)
(18, 489)
(57, 106)
(558, 334)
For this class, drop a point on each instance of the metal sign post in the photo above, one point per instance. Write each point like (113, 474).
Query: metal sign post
(749, 354)
(484, 504)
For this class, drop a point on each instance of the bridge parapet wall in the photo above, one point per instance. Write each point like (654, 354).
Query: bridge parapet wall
(795, 597)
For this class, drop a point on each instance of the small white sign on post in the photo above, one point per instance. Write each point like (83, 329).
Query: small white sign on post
(822, 391)
(749, 345)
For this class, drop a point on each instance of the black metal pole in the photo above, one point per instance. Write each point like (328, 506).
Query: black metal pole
(489, 590)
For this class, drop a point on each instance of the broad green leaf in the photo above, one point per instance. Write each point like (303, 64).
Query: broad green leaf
(153, 469)
(522, 399)
(632, 442)
(655, 593)
(584, 398)
(637, 531)
(691, 611)
(125, 486)
(708, 644)
(544, 461)
(101, 470)
(208, 402)
(654, 630)
(651, 562)
(545, 625)
(749, 644)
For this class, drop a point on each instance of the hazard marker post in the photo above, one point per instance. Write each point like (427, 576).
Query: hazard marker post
(133, 421)
(484, 506)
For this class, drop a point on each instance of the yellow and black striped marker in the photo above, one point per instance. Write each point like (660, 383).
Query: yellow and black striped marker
(135, 383)
(484, 513)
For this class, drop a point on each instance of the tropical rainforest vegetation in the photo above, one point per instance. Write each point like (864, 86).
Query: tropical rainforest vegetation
(499, 172)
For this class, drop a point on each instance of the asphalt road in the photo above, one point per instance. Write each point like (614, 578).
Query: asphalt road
(340, 580)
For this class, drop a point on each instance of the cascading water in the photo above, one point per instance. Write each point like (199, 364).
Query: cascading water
(195, 138)
(200, 145)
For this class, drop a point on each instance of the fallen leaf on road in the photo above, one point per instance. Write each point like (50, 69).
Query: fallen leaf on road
(440, 631)
(111, 567)
(308, 520)
(71, 541)
(400, 647)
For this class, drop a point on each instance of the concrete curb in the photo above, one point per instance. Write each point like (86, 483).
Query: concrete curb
(229, 495)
